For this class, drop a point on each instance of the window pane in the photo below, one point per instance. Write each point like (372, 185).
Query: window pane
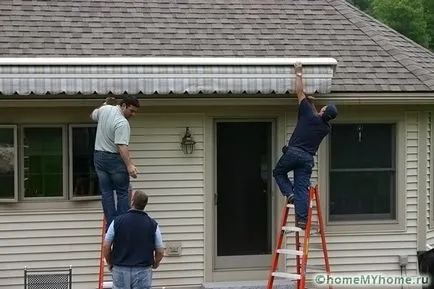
(362, 193)
(7, 163)
(43, 162)
(85, 181)
(362, 146)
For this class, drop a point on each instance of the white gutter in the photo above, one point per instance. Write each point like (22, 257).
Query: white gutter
(159, 100)
(315, 61)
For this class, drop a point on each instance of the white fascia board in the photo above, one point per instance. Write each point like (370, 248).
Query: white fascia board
(263, 61)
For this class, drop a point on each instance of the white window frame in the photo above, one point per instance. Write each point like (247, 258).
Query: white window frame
(345, 226)
(16, 165)
(70, 165)
(64, 162)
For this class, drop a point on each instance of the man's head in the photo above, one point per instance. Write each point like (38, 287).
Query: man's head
(139, 200)
(328, 112)
(129, 105)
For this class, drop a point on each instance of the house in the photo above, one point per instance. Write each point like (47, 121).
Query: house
(222, 69)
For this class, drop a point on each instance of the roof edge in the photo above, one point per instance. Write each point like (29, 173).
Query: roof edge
(264, 61)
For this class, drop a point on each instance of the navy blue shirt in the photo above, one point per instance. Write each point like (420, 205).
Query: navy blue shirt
(310, 129)
(134, 239)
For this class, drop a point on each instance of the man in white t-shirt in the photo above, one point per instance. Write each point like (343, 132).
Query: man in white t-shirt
(112, 160)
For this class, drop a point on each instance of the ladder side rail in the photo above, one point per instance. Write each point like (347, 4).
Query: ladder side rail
(278, 246)
(101, 258)
(323, 234)
(302, 283)
(297, 258)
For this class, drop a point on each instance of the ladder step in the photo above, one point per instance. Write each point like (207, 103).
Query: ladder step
(290, 252)
(286, 275)
(291, 206)
(291, 229)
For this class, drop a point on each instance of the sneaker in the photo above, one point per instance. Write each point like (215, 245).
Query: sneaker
(301, 224)
(290, 199)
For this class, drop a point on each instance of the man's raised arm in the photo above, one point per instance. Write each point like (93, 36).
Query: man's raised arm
(108, 101)
(299, 87)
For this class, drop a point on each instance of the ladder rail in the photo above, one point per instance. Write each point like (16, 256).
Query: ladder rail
(303, 265)
(278, 245)
(323, 234)
(101, 258)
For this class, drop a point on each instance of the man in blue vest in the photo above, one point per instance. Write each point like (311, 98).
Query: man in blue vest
(312, 127)
(137, 246)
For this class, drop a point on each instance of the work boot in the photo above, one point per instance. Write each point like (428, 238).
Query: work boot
(300, 224)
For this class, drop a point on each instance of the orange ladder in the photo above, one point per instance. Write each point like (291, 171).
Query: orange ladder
(301, 265)
(101, 258)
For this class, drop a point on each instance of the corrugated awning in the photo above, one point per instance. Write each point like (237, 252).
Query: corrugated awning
(72, 76)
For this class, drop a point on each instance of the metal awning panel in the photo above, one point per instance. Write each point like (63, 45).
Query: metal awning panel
(162, 76)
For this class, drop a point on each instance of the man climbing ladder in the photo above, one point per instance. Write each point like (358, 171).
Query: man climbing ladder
(312, 127)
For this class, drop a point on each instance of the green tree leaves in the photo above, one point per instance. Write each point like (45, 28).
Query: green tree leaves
(412, 18)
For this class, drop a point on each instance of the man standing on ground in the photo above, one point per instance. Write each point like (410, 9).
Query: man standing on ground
(137, 246)
(111, 157)
(312, 127)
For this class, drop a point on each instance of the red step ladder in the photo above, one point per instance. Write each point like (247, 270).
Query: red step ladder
(101, 258)
(301, 256)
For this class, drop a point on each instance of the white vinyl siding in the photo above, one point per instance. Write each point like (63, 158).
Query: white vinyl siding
(373, 251)
(49, 239)
(175, 184)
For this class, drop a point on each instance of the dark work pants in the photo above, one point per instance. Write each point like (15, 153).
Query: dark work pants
(112, 176)
(301, 163)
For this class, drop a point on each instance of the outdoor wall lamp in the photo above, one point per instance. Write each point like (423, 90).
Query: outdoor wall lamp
(187, 142)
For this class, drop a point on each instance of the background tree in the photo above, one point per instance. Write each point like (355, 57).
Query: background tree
(412, 18)
(429, 16)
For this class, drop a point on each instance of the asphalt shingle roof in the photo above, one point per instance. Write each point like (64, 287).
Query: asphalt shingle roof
(371, 56)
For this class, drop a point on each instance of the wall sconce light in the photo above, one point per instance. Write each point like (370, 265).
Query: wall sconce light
(187, 142)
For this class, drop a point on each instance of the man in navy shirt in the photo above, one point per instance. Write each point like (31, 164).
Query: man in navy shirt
(312, 127)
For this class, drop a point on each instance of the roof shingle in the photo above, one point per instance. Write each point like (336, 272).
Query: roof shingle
(371, 56)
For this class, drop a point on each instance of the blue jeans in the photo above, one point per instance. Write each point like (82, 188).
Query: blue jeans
(112, 176)
(301, 163)
(132, 277)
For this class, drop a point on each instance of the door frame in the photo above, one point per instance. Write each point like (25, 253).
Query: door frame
(279, 135)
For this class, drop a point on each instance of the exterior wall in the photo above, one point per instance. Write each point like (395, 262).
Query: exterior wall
(67, 233)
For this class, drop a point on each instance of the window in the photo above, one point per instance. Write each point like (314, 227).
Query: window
(43, 161)
(362, 172)
(48, 162)
(83, 179)
(8, 163)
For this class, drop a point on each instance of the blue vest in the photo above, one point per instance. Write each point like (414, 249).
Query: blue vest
(134, 240)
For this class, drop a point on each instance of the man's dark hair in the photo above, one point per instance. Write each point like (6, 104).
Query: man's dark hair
(111, 100)
(140, 200)
(130, 100)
